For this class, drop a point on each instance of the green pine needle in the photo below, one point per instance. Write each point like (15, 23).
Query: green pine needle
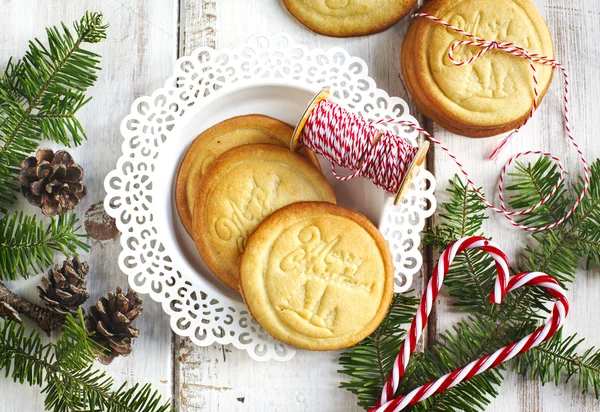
(65, 371)
(463, 215)
(558, 358)
(27, 243)
(40, 95)
(468, 340)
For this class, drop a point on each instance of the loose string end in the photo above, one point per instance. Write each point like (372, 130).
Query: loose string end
(500, 147)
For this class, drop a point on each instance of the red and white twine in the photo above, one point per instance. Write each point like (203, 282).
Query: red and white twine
(347, 140)
(504, 284)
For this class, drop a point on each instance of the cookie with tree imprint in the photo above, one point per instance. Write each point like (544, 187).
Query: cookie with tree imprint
(240, 189)
(215, 141)
(317, 276)
(347, 18)
(493, 94)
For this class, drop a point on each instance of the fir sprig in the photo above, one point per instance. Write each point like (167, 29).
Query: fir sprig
(489, 327)
(368, 362)
(560, 358)
(27, 242)
(40, 94)
(65, 371)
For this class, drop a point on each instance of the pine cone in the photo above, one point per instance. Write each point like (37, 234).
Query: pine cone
(65, 289)
(52, 181)
(110, 321)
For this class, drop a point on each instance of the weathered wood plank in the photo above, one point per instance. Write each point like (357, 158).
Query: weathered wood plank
(137, 58)
(224, 379)
(573, 24)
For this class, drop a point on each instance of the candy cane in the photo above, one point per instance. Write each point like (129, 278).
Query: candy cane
(504, 284)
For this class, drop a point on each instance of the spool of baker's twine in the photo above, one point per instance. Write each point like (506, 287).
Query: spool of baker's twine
(390, 161)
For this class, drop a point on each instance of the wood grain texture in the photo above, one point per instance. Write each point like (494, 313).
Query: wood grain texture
(573, 24)
(137, 57)
(144, 39)
(220, 379)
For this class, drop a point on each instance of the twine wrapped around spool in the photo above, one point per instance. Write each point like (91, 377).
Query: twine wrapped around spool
(349, 141)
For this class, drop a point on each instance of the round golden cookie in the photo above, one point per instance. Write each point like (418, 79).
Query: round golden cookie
(346, 18)
(492, 95)
(241, 188)
(215, 141)
(317, 276)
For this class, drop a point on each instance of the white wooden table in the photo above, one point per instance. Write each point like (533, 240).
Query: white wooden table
(145, 38)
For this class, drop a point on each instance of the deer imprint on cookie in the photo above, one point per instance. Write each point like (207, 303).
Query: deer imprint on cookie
(489, 78)
(496, 78)
(247, 213)
(320, 267)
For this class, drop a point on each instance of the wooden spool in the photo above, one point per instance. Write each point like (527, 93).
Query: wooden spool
(325, 94)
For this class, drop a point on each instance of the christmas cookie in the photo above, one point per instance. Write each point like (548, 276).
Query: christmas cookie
(317, 276)
(492, 95)
(254, 128)
(345, 18)
(241, 188)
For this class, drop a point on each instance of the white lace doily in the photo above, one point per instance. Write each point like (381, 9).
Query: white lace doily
(157, 256)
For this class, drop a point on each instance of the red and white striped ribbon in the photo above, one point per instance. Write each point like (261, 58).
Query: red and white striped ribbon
(504, 284)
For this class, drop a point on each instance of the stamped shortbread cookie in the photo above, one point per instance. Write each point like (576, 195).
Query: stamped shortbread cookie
(241, 188)
(212, 143)
(492, 95)
(345, 18)
(317, 276)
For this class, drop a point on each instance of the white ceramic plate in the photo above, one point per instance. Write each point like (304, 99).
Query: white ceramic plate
(209, 87)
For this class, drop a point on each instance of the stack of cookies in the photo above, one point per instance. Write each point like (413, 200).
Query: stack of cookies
(264, 220)
(493, 94)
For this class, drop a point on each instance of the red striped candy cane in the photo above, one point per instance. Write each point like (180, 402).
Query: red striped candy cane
(504, 284)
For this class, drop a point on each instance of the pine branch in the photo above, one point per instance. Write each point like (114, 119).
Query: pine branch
(463, 215)
(555, 254)
(530, 184)
(64, 370)
(468, 340)
(368, 362)
(40, 94)
(470, 281)
(27, 243)
(559, 358)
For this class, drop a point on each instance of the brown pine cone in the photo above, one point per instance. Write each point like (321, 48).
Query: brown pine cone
(52, 181)
(65, 289)
(110, 322)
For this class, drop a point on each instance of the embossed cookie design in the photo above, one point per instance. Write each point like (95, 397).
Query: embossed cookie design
(241, 188)
(317, 276)
(345, 18)
(492, 95)
(217, 140)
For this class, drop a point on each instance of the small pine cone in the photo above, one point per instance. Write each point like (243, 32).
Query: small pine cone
(52, 181)
(110, 322)
(65, 289)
